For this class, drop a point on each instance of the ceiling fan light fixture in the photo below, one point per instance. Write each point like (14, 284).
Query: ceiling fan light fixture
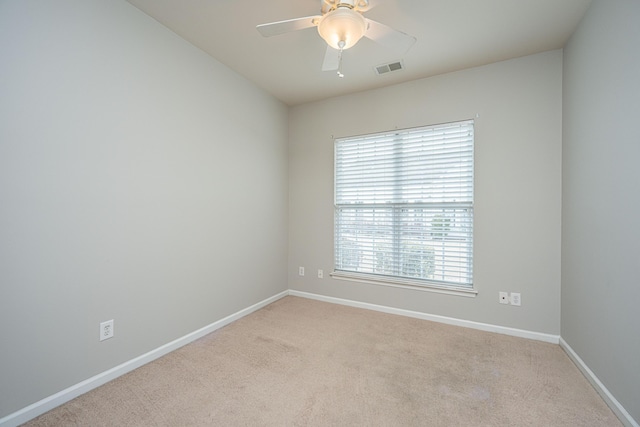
(342, 25)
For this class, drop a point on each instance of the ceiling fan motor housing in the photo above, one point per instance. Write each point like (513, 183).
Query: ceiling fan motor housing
(342, 24)
(355, 4)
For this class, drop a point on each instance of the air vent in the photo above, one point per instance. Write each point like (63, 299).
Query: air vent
(387, 68)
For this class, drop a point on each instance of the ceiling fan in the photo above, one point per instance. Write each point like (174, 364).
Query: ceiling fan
(342, 25)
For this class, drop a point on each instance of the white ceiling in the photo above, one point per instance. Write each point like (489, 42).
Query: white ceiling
(451, 35)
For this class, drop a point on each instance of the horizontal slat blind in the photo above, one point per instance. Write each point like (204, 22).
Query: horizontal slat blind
(404, 204)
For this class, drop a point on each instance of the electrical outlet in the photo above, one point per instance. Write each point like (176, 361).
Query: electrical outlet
(504, 297)
(106, 330)
(320, 274)
(300, 271)
(515, 298)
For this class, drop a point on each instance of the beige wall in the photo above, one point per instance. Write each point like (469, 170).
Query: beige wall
(601, 198)
(131, 168)
(128, 171)
(517, 186)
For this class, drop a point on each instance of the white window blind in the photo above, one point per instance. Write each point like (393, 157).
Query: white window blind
(404, 205)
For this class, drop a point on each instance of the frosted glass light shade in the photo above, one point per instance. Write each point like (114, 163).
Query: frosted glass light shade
(342, 24)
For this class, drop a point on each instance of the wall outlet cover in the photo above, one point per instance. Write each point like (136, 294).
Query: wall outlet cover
(106, 330)
(515, 298)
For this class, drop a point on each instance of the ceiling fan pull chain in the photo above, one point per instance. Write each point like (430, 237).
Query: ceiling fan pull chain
(341, 44)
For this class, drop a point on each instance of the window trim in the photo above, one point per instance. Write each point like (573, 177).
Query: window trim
(452, 288)
(397, 282)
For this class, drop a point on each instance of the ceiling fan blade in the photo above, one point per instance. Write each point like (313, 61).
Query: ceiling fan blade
(281, 27)
(388, 37)
(331, 59)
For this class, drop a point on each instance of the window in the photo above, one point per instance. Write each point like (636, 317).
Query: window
(404, 206)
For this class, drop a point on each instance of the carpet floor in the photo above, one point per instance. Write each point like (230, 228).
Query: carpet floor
(300, 362)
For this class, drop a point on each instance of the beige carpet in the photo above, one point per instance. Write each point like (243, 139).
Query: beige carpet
(300, 362)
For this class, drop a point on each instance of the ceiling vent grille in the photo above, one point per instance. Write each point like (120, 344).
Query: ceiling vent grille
(387, 68)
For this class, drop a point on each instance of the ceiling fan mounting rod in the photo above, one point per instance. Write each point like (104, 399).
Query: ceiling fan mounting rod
(351, 4)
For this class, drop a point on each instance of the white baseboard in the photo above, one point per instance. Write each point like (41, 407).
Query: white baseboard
(606, 395)
(538, 336)
(48, 403)
(613, 403)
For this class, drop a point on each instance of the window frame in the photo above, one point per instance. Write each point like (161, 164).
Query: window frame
(398, 279)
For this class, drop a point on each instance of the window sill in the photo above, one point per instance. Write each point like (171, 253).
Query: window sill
(404, 284)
